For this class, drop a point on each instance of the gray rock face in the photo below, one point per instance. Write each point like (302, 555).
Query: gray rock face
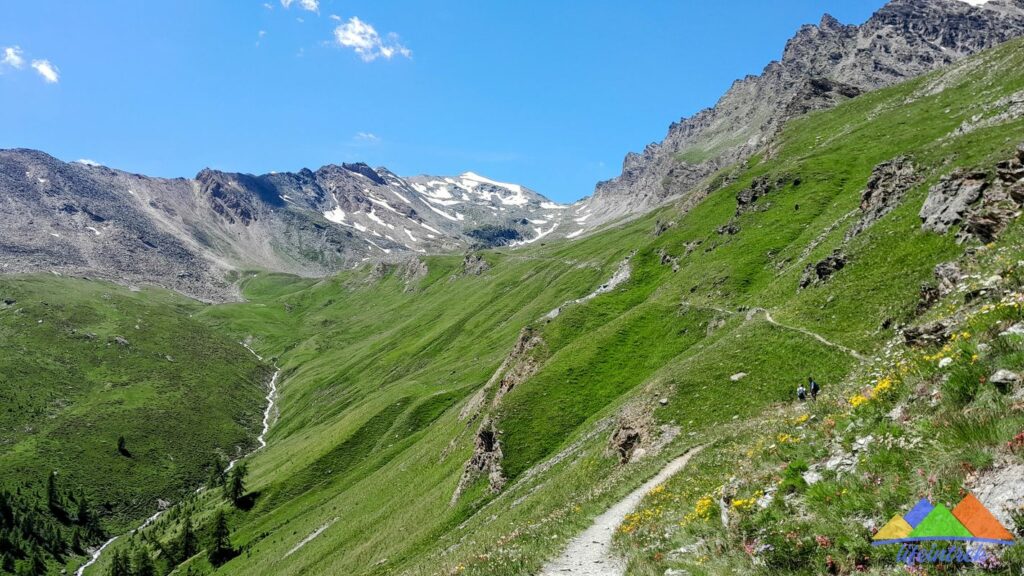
(982, 206)
(950, 199)
(888, 183)
(188, 235)
(822, 65)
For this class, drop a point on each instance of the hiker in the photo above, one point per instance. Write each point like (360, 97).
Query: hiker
(801, 393)
(814, 388)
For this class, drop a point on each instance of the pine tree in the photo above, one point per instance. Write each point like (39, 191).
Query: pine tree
(37, 563)
(142, 563)
(187, 545)
(217, 474)
(235, 487)
(53, 499)
(119, 564)
(220, 541)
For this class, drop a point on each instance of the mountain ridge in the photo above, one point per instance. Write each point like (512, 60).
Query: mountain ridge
(821, 65)
(193, 234)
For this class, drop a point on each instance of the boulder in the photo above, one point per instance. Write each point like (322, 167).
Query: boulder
(738, 376)
(1004, 379)
(1015, 330)
(948, 275)
(819, 272)
(935, 333)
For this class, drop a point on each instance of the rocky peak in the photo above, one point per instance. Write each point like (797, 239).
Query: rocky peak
(822, 65)
(365, 170)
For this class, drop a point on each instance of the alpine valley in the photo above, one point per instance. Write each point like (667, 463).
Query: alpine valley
(344, 371)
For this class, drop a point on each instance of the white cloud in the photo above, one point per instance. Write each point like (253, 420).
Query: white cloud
(268, 5)
(48, 71)
(367, 137)
(310, 5)
(367, 43)
(12, 57)
(335, 17)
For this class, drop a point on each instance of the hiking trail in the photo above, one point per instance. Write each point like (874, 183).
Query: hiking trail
(590, 553)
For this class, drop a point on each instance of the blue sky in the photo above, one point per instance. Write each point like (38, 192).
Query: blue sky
(551, 94)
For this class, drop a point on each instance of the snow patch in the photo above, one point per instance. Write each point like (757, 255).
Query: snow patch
(552, 206)
(455, 218)
(337, 215)
(383, 204)
(411, 237)
(473, 177)
(424, 224)
(540, 234)
(373, 216)
(575, 234)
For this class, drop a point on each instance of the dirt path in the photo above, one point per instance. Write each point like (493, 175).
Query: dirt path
(815, 335)
(267, 414)
(590, 553)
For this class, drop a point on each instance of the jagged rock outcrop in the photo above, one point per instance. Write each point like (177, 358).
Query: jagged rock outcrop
(927, 335)
(474, 265)
(521, 363)
(821, 271)
(821, 66)
(888, 184)
(759, 188)
(950, 198)
(982, 206)
(486, 460)
(948, 275)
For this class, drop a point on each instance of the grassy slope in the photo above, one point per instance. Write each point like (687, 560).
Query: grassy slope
(376, 368)
(180, 393)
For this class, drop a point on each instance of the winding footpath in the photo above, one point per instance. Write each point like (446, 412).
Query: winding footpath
(261, 439)
(590, 553)
(816, 336)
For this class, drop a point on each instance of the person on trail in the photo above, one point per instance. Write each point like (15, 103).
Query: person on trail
(801, 393)
(814, 388)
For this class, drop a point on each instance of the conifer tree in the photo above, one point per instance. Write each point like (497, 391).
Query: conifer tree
(220, 541)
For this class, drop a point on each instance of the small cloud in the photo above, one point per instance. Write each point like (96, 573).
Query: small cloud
(309, 5)
(335, 17)
(367, 43)
(268, 5)
(48, 71)
(12, 57)
(368, 137)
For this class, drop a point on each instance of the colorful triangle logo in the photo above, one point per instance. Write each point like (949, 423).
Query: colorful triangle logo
(968, 521)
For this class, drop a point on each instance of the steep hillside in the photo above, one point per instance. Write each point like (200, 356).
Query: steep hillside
(821, 66)
(470, 414)
(192, 235)
(122, 397)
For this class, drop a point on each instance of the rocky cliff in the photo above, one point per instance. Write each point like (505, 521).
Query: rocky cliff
(821, 66)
